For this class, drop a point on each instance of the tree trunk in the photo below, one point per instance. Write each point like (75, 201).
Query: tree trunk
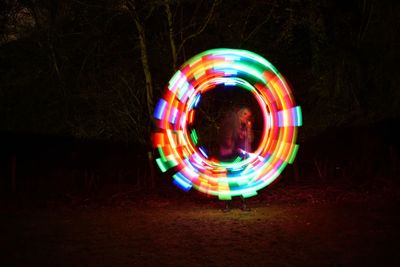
(147, 75)
(171, 35)
(146, 68)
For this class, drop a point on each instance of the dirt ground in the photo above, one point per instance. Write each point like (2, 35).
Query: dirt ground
(323, 227)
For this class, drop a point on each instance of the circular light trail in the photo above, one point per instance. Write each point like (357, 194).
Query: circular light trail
(176, 138)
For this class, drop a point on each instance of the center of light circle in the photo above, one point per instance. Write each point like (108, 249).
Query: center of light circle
(218, 104)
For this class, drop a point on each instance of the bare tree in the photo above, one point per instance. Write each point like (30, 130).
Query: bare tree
(171, 33)
(140, 27)
(196, 28)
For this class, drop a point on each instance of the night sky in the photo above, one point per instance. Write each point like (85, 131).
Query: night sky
(79, 81)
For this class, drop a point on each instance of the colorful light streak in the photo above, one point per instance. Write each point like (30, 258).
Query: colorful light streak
(176, 139)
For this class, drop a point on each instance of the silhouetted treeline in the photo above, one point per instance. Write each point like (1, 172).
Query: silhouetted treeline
(92, 70)
(53, 166)
(74, 68)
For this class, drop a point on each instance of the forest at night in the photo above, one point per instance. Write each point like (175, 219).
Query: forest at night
(79, 85)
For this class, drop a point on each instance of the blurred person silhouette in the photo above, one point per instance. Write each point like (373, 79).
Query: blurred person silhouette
(236, 139)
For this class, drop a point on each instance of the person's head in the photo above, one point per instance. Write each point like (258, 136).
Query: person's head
(244, 115)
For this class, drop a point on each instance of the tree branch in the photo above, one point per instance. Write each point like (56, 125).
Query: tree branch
(201, 29)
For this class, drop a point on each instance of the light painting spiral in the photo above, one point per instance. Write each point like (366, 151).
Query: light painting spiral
(176, 139)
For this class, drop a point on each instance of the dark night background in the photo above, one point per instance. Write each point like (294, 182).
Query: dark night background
(78, 183)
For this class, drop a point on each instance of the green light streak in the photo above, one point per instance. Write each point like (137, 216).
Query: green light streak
(162, 155)
(226, 196)
(294, 153)
(299, 115)
(163, 167)
(194, 137)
